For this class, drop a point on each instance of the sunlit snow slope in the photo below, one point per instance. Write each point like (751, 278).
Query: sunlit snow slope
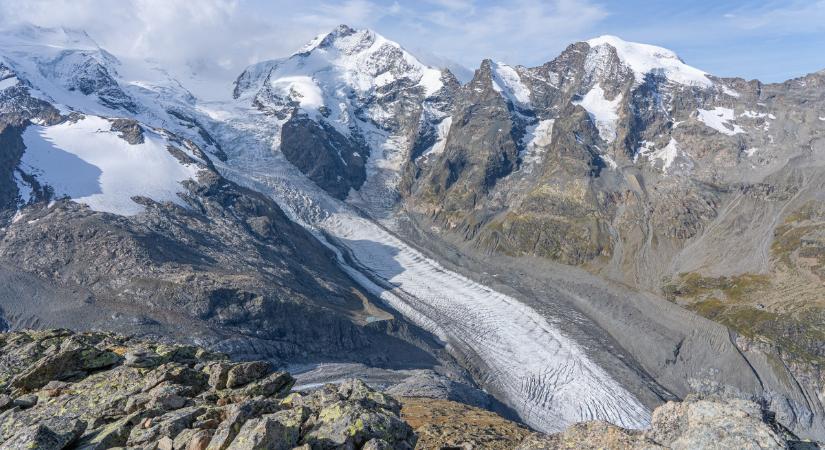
(89, 163)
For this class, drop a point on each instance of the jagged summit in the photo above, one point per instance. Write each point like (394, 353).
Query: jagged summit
(645, 58)
(345, 58)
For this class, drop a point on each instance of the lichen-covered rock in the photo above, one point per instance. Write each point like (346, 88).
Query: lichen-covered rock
(50, 433)
(590, 436)
(124, 392)
(140, 357)
(218, 372)
(186, 402)
(274, 384)
(351, 424)
(730, 423)
(244, 373)
(278, 431)
(718, 423)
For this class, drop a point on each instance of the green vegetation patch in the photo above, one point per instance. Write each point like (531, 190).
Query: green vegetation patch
(734, 302)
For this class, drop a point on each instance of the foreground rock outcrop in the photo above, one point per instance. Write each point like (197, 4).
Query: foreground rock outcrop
(691, 424)
(695, 423)
(61, 390)
(66, 390)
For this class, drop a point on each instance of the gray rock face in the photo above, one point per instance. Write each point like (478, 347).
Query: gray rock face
(481, 149)
(658, 179)
(694, 423)
(228, 270)
(333, 161)
(96, 410)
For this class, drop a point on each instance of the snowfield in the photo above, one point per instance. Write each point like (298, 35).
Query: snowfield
(90, 164)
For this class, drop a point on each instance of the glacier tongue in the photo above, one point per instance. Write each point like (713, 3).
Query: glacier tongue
(524, 359)
(543, 375)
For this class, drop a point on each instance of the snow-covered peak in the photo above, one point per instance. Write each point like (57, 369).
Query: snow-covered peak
(341, 61)
(643, 59)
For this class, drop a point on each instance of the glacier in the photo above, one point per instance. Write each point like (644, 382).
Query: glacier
(523, 357)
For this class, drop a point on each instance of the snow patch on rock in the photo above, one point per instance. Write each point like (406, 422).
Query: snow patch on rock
(671, 156)
(757, 115)
(508, 82)
(302, 89)
(602, 111)
(442, 130)
(8, 82)
(90, 164)
(609, 161)
(536, 140)
(720, 119)
(730, 92)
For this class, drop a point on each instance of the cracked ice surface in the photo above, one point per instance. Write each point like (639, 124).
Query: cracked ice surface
(521, 356)
(546, 377)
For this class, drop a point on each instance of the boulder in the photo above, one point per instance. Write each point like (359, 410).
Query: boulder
(51, 434)
(278, 431)
(142, 358)
(347, 424)
(732, 423)
(245, 373)
(274, 384)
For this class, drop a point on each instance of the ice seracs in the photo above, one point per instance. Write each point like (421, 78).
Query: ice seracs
(87, 162)
(643, 59)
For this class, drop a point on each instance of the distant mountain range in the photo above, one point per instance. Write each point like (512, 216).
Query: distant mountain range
(549, 242)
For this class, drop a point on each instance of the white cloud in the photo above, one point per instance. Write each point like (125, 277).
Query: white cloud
(792, 16)
(229, 34)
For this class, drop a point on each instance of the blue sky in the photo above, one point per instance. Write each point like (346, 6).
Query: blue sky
(769, 40)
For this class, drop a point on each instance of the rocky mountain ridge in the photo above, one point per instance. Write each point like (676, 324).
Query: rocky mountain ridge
(136, 256)
(615, 157)
(620, 158)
